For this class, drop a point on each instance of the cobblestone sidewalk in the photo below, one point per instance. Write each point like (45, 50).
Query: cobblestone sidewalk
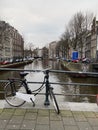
(47, 119)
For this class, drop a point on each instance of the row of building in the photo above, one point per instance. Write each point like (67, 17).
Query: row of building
(12, 45)
(11, 42)
(89, 46)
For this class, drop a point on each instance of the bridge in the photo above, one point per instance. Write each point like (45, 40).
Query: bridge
(73, 116)
(72, 73)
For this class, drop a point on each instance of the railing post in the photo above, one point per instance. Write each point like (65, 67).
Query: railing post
(47, 89)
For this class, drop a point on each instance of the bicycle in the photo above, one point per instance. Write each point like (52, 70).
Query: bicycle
(17, 91)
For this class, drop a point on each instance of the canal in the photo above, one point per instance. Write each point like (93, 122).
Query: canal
(57, 77)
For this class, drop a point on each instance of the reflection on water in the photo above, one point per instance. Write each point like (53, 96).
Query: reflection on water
(86, 89)
(56, 77)
(76, 89)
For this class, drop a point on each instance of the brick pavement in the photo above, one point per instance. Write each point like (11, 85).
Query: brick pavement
(47, 119)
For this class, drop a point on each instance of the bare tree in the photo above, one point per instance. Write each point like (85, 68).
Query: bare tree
(28, 50)
(75, 34)
(79, 26)
(88, 20)
(76, 27)
(63, 45)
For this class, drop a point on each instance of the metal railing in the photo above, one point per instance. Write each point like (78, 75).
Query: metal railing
(59, 83)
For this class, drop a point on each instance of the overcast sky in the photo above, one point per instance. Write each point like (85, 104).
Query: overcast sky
(43, 21)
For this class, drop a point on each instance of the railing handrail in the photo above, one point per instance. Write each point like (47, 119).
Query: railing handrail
(50, 70)
(59, 83)
(73, 72)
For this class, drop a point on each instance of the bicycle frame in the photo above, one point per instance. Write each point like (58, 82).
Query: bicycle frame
(21, 97)
(26, 86)
(47, 84)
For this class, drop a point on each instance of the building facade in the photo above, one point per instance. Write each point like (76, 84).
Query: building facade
(88, 45)
(52, 50)
(11, 42)
(94, 40)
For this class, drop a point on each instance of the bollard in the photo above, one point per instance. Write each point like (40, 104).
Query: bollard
(47, 89)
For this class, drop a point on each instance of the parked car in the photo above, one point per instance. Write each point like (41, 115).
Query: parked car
(63, 58)
(86, 60)
(69, 60)
(75, 60)
(11, 61)
(5, 62)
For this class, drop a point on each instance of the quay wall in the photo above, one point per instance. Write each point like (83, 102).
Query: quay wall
(17, 64)
(92, 67)
(71, 66)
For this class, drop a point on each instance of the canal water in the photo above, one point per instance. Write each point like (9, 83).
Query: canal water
(56, 77)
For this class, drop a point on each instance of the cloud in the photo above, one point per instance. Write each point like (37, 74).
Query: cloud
(41, 21)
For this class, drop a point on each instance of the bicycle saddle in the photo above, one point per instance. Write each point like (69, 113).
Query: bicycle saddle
(23, 74)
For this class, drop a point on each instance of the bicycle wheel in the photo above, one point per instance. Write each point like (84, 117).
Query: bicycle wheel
(10, 93)
(53, 98)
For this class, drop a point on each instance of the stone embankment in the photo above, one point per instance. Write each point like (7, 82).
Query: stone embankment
(17, 64)
(72, 66)
(80, 69)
